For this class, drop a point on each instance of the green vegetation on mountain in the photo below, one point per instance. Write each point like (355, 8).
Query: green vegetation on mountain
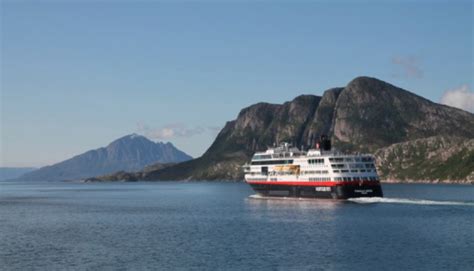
(130, 176)
(433, 159)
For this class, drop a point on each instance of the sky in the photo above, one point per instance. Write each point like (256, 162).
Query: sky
(75, 75)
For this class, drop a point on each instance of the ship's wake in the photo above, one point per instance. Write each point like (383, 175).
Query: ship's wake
(371, 200)
(408, 201)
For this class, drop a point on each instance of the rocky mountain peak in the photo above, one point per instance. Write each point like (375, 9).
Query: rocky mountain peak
(371, 113)
(365, 115)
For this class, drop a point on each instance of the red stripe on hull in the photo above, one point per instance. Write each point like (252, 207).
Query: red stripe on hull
(311, 183)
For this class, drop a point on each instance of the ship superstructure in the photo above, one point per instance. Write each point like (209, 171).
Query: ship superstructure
(286, 171)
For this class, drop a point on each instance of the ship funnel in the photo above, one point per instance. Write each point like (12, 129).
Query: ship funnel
(324, 143)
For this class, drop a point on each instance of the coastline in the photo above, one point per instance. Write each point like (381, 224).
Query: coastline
(462, 182)
(389, 181)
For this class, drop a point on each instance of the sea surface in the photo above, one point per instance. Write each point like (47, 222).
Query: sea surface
(224, 226)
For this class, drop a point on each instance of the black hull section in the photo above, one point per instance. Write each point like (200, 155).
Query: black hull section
(327, 192)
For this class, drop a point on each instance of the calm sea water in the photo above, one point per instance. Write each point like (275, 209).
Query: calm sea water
(217, 226)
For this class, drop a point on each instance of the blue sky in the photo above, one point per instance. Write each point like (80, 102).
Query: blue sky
(76, 75)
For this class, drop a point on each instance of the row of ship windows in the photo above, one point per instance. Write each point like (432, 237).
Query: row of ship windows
(310, 161)
(269, 156)
(349, 179)
(353, 165)
(346, 179)
(315, 161)
(272, 173)
(352, 170)
(315, 172)
(356, 159)
(272, 162)
(309, 172)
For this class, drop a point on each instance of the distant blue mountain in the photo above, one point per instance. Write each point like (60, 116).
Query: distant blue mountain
(129, 153)
(7, 173)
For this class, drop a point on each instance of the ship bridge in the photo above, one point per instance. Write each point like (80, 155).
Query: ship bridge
(285, 150)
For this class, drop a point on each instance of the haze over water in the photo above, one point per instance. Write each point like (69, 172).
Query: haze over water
(175, 225)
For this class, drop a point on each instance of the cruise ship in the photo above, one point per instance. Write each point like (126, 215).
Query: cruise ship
(286, 171)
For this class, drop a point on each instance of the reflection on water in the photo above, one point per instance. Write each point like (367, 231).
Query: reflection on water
(293, 203)
(293, 210)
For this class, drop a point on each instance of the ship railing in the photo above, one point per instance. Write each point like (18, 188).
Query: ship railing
(300, 154)
(348, 154)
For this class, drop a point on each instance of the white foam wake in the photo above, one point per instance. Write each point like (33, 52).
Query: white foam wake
(408, 201)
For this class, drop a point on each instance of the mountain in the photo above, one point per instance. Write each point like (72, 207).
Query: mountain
(371, 114)
(7, 173)
(129, 153)
(434, 159)
(366, 115)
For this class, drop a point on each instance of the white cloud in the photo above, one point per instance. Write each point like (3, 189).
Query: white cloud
(175, 130)
(461, 97)
(410, 66)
